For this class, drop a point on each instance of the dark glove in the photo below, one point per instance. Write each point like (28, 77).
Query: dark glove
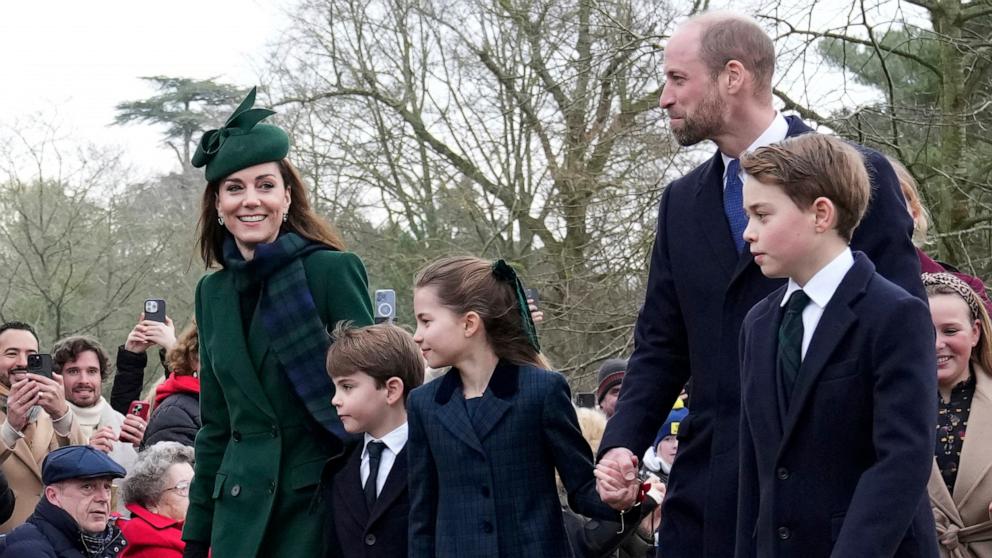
(196, 549)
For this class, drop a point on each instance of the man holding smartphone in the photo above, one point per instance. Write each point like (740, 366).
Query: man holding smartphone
(36, 419)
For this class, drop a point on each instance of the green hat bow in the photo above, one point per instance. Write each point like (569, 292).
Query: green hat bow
(504, 272)
(242, 142)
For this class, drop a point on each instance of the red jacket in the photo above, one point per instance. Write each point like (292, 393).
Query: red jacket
(150, 535)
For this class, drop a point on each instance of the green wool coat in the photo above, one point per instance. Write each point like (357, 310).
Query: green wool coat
(259, 456)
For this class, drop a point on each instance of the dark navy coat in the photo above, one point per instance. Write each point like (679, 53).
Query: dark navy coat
(484, 486)
(699, 290)
(842, 469)
(360, 532)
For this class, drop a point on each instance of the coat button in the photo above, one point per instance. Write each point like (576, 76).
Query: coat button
(784, 533)
(275, 431)
(370, 539)
(236, 435)
(485, 491)
(782, 473)
(235, 490)
(487, 527)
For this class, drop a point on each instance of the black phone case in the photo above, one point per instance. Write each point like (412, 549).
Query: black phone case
(159, 314)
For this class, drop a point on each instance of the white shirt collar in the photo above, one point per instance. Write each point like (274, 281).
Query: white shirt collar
(395, 440)
(776, 132)
(822, 286)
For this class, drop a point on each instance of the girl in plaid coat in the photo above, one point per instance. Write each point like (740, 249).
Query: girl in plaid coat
(487, 437)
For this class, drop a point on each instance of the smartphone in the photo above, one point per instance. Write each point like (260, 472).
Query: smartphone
(385, 306)
(585, 400)
(533, 295)
(139, 408)
(40, 364)
(155, 310)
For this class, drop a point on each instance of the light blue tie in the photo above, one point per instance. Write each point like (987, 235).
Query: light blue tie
(733, 204)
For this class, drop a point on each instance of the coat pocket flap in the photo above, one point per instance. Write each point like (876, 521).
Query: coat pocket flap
(305, 474)
(218, 485)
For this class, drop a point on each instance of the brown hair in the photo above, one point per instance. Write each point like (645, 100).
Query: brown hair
(910, 191)
(185, 353)
(946, 284)
(727, 36)
(382, 351)
(467, 284)
(302, 219)
(813, 165)
(70, 348)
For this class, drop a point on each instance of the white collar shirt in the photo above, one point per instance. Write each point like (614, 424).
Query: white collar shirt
(776, 132)
(820, 289)
(394, 441)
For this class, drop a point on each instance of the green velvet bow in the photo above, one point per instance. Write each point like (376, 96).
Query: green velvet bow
(504, 272)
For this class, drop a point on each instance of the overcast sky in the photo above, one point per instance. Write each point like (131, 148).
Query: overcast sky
(70, 62)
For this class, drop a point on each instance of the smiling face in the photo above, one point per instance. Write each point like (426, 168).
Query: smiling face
(781, 234)
(15, 346)
(440, 332)
(252, 203)
(957, 335)
(87, 501)
(82, 380)
(691, 95)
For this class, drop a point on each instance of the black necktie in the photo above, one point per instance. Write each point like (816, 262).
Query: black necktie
(790, 341)
(375, 456)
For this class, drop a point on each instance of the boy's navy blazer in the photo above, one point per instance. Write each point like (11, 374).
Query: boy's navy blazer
(699, 290)
(843, 470)
(485, 486)
(381, 531)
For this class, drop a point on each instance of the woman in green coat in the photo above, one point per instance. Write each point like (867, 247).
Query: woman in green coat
(268, 425)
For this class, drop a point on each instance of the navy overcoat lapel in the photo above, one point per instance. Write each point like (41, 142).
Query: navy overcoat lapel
(452, 413)
(497, 400)
(837, 319)
(227, 310)
(350, 483)
(764, 411)
(711, 218)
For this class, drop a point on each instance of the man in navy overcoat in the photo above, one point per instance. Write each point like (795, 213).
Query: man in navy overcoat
(703, 281)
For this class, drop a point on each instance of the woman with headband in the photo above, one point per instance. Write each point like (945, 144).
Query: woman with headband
(960, 486)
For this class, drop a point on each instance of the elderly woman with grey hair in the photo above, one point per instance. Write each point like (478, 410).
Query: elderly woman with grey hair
(156, 491)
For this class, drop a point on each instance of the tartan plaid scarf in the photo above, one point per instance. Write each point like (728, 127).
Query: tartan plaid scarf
(290, 317)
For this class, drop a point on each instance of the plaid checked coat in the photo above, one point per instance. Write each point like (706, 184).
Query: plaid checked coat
(259, 455)
(485, 486)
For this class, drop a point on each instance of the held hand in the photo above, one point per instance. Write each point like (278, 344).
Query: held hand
(616, 479)
(103, 439)
(23, 395)
(163, 335)
(133, 430)
(535, 314)
(51, 395)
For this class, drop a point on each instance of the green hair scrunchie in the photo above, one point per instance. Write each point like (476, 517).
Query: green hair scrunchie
(504, 272)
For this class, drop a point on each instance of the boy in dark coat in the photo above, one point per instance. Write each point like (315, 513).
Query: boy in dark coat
(837, 372)
(373, 368)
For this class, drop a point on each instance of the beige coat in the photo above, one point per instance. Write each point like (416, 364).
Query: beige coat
(963, 525)
(22, 465)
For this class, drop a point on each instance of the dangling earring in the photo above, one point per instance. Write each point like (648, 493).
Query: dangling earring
(285, 217)
(220, 220)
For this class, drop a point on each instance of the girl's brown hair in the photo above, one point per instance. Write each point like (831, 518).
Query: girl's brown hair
(184, 356)
(467, 284)
(946, 284)
(302, 220)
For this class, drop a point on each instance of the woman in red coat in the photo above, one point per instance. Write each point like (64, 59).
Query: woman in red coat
(156, 492)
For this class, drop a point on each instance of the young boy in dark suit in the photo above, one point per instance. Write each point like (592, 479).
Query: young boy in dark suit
(837, 372)
(373, 369)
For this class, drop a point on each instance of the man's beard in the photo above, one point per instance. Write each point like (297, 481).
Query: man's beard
(704, 123)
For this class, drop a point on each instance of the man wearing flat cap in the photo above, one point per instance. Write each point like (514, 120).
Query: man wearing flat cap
(72, 520)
